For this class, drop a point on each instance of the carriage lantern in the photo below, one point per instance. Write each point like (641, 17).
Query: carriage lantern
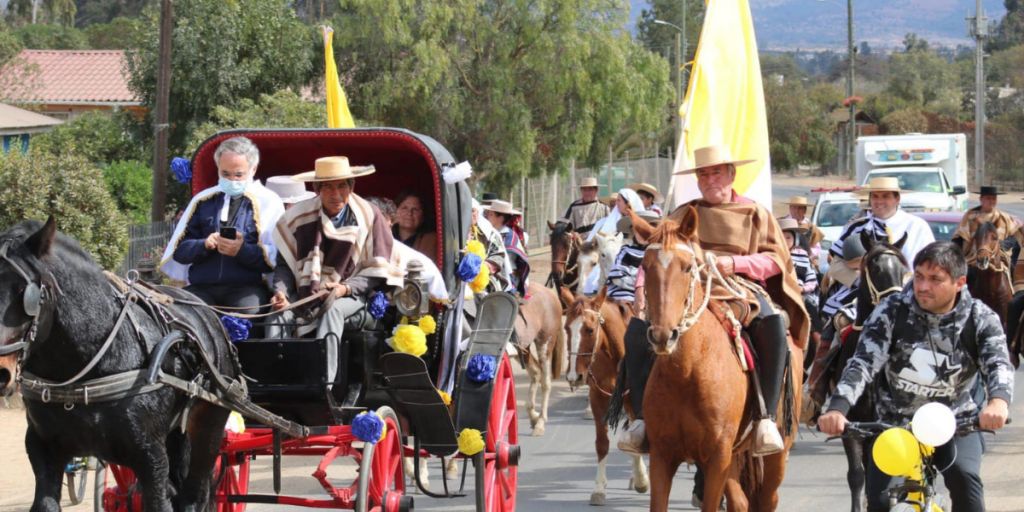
(412, 300)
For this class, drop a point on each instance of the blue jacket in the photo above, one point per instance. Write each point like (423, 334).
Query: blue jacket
(212, 267)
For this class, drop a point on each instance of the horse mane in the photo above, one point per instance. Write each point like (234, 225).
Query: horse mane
(666, 234)
(561, 229)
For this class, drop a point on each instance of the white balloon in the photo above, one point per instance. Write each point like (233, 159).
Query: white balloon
(934, 424)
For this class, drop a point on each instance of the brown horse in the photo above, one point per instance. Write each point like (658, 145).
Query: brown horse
(595, 328)
(992, 284)
(699, 402)
(539, 327)
(565, 249)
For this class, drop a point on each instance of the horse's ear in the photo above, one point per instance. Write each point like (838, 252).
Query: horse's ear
(41, 242)
(901, 242)
(565, 297)
(688, 224)
(640, 226)
(601, 296)
(551, 225)
(866, 240)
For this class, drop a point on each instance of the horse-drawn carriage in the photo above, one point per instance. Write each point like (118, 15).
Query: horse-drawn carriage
(295, 408)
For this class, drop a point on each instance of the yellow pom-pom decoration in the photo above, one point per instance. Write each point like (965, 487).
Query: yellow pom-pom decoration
(482, 279)
(405, 320)
(446, 397)
(470, 442)
(474, 247)
(409, 339)
(428, 324)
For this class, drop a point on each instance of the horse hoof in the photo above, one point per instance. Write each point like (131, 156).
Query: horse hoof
(597, 499)
(641, 490)
(588, 414)
(538, 431)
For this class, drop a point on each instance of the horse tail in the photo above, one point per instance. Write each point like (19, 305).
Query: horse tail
(559, 356)
(751, 477)
(616, 415)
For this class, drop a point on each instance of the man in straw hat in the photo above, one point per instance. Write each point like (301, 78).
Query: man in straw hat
(886, 221)
(798, 210)
(227, 270)
(650, 196)
(749, 244)
(586, 211)
(1007, 227)
(337, 241)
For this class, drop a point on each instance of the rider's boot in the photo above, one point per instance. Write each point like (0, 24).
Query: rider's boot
(638, 361)
(771, 347)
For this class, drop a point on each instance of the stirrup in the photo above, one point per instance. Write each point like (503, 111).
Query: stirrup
(767, 440)
(634, 440)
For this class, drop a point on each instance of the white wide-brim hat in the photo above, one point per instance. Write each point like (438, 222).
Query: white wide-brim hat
(333, 168)
(798, 201)
(589, 182)
(883, 184)
(289, 190)
(504, 207)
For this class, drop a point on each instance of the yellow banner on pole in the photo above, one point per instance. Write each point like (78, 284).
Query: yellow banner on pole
(338, 115)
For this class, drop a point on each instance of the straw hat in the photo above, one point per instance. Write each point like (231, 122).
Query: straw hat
(289, 190)
(647, 187)
(590, 182)
(798, 201)
(610, 200)
(791, 225)
(711, 156)
(333, 168)
(625, 224)
(883, 184)
(502, 207)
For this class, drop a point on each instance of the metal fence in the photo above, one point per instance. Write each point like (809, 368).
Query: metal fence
(546, 199)
(146, 240)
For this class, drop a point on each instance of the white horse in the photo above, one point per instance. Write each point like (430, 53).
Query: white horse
(596, 259)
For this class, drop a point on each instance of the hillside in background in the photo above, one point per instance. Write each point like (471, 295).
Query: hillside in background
(810, 25)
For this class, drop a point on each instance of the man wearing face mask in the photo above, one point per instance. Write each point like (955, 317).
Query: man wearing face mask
(224, 244)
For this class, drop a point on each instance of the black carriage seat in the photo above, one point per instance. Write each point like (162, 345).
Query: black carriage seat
(406, 379)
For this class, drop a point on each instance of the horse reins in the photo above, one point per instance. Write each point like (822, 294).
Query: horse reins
(574, 241)
(1002, 264)
(690, 317)
(876, 294)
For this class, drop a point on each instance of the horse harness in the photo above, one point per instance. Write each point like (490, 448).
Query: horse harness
(574, 242)
(1002, 265)
(32, 299)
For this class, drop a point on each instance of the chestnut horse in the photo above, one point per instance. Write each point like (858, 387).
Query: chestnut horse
(565, 250)
(542, 340)
(595, 328)
(993, 284)
(699, 403)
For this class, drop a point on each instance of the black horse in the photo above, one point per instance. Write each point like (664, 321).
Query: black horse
(168, 440)
(882, 271)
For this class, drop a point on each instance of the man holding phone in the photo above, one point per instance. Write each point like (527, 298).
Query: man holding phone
(217, 249)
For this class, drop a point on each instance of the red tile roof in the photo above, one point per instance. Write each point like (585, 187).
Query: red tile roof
(69, 76)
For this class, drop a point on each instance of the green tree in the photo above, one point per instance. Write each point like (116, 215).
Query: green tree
(799, 131)
(518, 88)
(781, 65)
(905, 121)
(661, 39)
(119, 34)
(105, 11)
(61, 12)
(223, 52)
(68, 187)
(922, 78)
(98, 137)
(1010, 29)
(130, 183)
(52, 37)
(1007, 67)
(283, 109)
(10, 45)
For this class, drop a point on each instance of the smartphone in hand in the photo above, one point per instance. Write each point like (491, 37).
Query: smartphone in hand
(228, 232)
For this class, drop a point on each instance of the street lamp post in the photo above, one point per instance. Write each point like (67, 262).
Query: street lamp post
(852, 123)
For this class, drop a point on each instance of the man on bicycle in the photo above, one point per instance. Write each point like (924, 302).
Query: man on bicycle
(931, 343)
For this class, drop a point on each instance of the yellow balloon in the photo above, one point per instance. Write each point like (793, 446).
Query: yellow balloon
(897, 452)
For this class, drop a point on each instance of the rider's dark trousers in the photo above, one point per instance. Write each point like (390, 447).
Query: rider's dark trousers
(960, 463)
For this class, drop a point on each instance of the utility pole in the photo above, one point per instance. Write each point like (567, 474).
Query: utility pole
(160, 129)
(977, 28)
(849, 90)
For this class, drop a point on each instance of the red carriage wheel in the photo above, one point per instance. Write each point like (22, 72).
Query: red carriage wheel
(497, 471)
(234, 481)
(122, 496)
(381, 474)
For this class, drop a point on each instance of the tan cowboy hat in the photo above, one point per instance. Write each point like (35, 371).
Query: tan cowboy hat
(791, 225)
(883, 184)
(625, 224)
(798, 201)
(610, 200)
(333, 168)
(647, 187)
(589, 182)
(502, 207)
(711, 156)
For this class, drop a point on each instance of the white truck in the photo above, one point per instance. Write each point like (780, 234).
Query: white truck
(934, 167)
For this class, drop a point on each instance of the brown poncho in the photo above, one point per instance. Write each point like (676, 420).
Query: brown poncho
(1006, 225)
(741, 229)
(363, 249)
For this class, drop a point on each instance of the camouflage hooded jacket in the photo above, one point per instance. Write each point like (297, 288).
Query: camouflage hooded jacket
(928, 363)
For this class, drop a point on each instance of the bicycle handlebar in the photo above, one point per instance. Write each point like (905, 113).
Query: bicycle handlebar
(864, 429)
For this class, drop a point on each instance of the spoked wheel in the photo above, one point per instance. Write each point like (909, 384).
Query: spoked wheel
(232, 480)
(381, 477)
(78, 477)
(497, 471)
(98, 486)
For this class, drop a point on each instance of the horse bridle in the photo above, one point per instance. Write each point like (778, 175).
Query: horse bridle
(876, 294)
(690, 317)
(574, 241)
(32, 300)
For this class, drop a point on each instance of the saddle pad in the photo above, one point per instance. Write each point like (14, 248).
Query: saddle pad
(494, 325)
(409, 386)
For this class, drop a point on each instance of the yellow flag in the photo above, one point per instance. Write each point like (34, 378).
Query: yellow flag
(338, 115)
(724, 103)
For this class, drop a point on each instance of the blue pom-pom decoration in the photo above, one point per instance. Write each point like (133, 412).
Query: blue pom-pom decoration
(182, 169)
(238, 328)
(368, 427)
(469, 267)
(482, 368)
(378, 304)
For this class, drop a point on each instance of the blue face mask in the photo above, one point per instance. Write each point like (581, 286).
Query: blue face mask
(232, 188)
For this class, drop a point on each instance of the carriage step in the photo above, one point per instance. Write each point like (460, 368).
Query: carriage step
(409, 386)
(495, 323)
